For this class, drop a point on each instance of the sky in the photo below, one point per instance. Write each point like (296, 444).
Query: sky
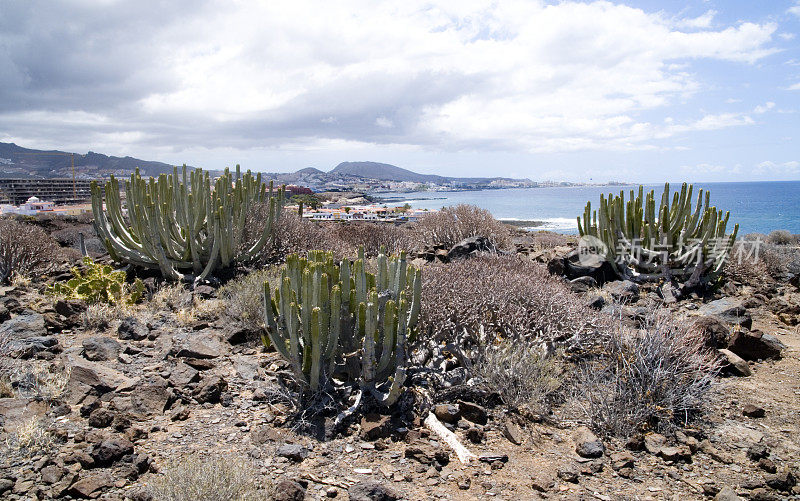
(637, 91)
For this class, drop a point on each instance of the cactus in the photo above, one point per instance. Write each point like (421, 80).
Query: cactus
(322, 313)
(98, 284)
(646, 242)
(177, 224)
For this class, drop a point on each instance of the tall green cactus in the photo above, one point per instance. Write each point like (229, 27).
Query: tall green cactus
(181, 223)
(648, 242)
(323, 313)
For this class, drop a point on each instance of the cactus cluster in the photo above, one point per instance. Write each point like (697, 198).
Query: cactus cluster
(327, 318)
(648, 242)
(182, 223)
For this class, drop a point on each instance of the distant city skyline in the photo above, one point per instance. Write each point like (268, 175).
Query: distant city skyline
(702, 90)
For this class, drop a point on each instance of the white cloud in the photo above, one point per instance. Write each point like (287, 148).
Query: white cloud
(791, 167)
(384, 122)
(703, 21)
(763, 108)
(786, 36)
(795, 9)
(794, 86)
(513, 75)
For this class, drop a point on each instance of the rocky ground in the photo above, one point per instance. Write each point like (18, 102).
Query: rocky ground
(112, 398)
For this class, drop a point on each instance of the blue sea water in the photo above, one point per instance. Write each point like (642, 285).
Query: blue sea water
(757, 207)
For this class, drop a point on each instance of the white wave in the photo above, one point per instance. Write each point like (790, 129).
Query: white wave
(556, 224)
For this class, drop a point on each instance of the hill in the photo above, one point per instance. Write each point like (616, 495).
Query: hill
(16, 161)
(384, 172)
(388, 172)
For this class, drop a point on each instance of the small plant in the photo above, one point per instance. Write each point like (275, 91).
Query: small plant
(41, 382)
(782, 237)
(522, 375)
(99, 316)
(214, 478)
(244, 297)
(30, 438)
(6, 389)
(653, 379)
(99, 283)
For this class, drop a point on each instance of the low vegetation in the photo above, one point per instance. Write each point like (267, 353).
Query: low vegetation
(243, 297)
(525, 377)
(210, 478)
(656, 378)
(508, 296)
(451, 225)
(99, 283)
(25, 249)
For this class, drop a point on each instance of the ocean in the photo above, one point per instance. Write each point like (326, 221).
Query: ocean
(757, 207)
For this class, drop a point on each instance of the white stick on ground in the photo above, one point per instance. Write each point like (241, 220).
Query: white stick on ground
(450, 438)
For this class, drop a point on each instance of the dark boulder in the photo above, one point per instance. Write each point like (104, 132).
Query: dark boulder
(471, 246)
(132, 329)
(755, 345)
(101, 348)
(370, 490)
(592, 265)
(713, 331)
(729, 310)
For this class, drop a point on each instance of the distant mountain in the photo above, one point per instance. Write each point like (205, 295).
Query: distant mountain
(388, 172)
(16, 161)
(384, 172)
(309, 171)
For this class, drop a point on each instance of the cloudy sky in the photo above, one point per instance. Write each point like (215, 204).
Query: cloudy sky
(645, 90)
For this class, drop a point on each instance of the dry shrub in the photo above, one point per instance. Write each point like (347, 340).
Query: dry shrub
(24, 249)
(7, 365)
(782, 237)
(291, 234)
(170, 296)
(100, 316)
(522, 375)
(30, 438)
(752, 260)
(41, 381)
(549, 240)
(373, 236)
(451, 225)
(214, 478)
(651, 379)
(243, 297)
(508, 296)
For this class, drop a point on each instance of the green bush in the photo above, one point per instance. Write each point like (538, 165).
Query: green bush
(99, 283)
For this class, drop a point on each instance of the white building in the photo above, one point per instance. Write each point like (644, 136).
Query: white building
(31, 207)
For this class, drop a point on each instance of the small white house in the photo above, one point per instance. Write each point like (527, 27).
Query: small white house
(31, 207)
